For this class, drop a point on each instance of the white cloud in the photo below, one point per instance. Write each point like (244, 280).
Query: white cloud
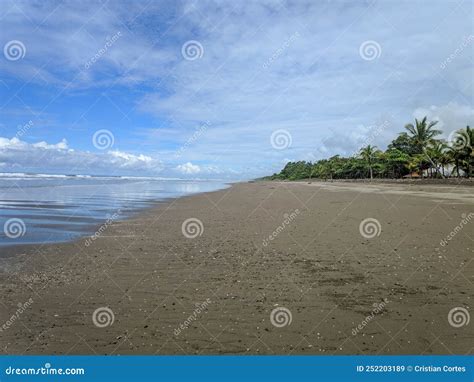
(59, 146)
(130, 160)
(450, 117)
(17, 155)
(188, 168)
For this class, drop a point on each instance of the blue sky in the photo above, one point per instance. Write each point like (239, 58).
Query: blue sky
(228, 89)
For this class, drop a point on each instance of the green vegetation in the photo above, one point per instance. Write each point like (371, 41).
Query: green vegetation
(414, 153)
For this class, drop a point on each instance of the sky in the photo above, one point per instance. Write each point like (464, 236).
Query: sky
(225, 90)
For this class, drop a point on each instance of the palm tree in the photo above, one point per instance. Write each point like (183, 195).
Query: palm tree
(422, 134)
(445, 160)
(368, 154)
(436, 154)
(454, 157)
(463, 144)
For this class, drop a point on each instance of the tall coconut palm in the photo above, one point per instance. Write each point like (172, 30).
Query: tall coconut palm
(423, 134)
(368, 155)
(454, 157)
(463, 144)
(445, 160)
(435, 153)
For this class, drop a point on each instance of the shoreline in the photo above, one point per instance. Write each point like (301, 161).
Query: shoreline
(10, 249)
(318, 266)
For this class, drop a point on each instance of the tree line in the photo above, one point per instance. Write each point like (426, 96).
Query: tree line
(416, 152)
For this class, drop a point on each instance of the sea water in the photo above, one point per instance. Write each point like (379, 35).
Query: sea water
(37, 209)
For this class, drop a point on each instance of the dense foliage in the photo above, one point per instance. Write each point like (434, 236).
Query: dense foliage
(415, 152)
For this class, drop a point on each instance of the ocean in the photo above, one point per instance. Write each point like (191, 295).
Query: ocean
(40, 208)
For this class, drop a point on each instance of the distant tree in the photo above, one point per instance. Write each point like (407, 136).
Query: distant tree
(423, 134)
(415, 149)
(368, 155)
(396, 163)
(435, 154)
(404, 144)
(463, 144)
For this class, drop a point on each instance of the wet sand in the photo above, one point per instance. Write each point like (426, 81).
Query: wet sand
(294, 249)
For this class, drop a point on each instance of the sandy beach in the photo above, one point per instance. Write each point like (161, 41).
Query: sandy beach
(263, 268)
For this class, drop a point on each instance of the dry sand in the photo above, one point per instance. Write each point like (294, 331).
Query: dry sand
(222, 286)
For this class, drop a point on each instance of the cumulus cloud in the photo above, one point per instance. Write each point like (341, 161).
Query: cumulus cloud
(188, 168)
(17, 144)
(450, 117)
(60, 145)
(18, 155)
